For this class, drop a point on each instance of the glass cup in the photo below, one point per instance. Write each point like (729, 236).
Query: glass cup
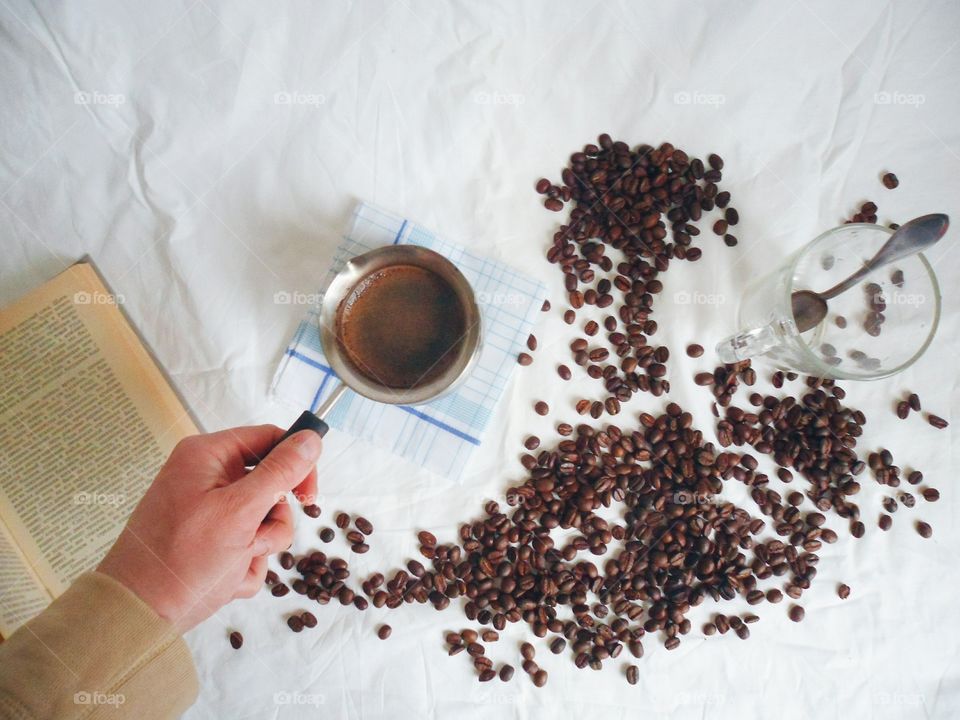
(877, 328)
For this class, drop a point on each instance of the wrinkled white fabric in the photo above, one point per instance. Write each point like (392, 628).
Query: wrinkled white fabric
(207, 154)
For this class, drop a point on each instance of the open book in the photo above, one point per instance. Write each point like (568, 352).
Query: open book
(86, 419)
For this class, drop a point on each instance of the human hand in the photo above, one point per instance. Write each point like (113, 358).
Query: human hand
(201, 535)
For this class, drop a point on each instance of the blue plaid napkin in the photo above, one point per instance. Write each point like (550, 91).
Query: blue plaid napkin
(439, 435)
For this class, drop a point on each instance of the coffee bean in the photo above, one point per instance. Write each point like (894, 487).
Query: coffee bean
(924, 529)
(427, 538)
(527, 651)
(694, 350)
(840, 321)
(903, 409)
(890, 181)
(672, 643)
(271, 578)
(857, 529)
(931, 494)
(885, 522)
(703, 378)
(308, 619)
(295, 623)
(279, 590)
(716, 162)
(937, 421)
(633, 674)
(327, 534)
(531, 342)
(383, 632)
(543, 185)
(915, 477)
(530, 667)
(236, 640)
(720, 227)
(569, 317)
(730, 240)
(540, 678)
(732, 216)
(359, 548)
(843, 591)
(506, 673)
(342, 520)
(774, 595)
(545, 307)
(914, 402)
(541, 408)
(532, 442)
(565, 429)
(487, 675)
(524, 359)
(709, 629)
(287, 560)
(312, 510)
(553, 204)
(564, 372)
(557, 645)
(796, 613)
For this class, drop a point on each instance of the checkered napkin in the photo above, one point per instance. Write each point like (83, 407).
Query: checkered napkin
(439, 435)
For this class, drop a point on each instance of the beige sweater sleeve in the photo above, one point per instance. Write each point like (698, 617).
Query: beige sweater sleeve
(98, 651)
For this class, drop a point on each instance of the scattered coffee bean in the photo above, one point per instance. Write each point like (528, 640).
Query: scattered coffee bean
(383, 632)
(885, 522)
(308, 619)
(545, 307)
(903, 409)
(553, 204)
(914, 401)
(694, 350)
(924, 529)
(890, 181)
(295, 623)
(569, 317)
(532, 442)
(540, 678)
(633, 674)
(312, 510)
(937, 421)
(279, 590)
(843, 591)
(236, 640)
(930, 494)
(342, 520)
(841, 321)
(327, 534)
(287, 560)
(796, 613)
(564, 372)
(524, 359)
(541, 407)
(364, 525)
(531, 342)
(558, 645)
(703, 378)
(506, 673)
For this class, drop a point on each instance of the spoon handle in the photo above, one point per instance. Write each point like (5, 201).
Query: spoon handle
(845, 285)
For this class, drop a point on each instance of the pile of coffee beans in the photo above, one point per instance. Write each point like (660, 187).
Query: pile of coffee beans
(644, 202)
(617, 531)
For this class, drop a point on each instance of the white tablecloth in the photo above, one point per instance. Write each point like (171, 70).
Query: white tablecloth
(207, 154)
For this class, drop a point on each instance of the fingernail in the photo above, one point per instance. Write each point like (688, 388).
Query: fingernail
(308, 444)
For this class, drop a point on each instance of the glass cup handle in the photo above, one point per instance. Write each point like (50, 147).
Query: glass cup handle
(748, 343)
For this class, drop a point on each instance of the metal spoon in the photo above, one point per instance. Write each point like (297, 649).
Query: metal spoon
(809, 308)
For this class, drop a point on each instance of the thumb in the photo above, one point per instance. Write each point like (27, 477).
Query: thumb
(281, 470)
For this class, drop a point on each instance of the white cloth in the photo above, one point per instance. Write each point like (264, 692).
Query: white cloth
(212, 158)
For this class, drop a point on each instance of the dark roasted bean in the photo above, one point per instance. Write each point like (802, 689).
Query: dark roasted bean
(236, 640)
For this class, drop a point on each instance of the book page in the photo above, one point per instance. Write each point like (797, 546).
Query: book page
(23, 595)
(86, 420)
